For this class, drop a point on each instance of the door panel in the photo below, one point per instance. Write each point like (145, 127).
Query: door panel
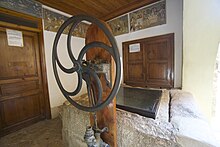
(18, 61)
(158, 71)
(135, 71)
(8, 89)
(156, 50)
(159, 61)
(30, 108)
(21, 90)
(133, 65)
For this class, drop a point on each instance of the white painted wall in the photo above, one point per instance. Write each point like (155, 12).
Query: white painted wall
(174, 25)
(69, 81)
(201, 35)
(77, 43)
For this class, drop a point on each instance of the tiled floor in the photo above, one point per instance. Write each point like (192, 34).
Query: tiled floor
(42, 134)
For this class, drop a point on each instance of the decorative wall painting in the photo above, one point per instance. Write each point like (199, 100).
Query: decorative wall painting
(149, 16)
(30, 7)
(119, 25)
(53, 21)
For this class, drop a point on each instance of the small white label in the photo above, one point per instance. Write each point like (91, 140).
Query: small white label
(134, 48)
(15, 38)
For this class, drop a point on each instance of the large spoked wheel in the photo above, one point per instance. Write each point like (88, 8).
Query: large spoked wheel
(85, 71)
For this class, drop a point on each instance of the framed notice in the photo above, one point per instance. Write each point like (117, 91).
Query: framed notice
(134, 48)
(15, 38)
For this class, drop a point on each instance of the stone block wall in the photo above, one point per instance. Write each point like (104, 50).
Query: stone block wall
(74, 123)
(178, 124)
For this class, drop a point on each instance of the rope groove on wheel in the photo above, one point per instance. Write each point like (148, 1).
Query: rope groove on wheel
(83, 70)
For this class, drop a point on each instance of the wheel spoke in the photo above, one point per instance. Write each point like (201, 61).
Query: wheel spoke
(90, 76)
(69, 48)
(95, 44)
(66, 70)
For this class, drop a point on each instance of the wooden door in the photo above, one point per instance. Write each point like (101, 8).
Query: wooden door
(21, 90)
(159, 61)
(134, 65)
(152, 65)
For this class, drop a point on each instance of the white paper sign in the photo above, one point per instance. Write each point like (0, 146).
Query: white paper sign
(15, 38)
(134, 48)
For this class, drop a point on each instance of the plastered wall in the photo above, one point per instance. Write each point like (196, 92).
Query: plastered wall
(69, 81)
(201, 35)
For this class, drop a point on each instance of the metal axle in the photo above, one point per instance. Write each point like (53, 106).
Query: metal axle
(94, 139)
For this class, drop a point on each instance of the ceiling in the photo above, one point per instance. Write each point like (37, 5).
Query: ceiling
(102, 9)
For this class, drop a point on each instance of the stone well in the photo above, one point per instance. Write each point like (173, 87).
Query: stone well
(133, 130)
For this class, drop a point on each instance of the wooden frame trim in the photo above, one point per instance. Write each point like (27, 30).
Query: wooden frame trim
(24, 16)
(38, 30)
(44, 73)
(10, 25)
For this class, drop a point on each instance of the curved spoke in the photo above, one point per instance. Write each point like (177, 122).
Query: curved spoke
(69, 48)
(90, 73)
(88, 84)
(79, 86)
(56, 59)
(64, 69)
(92, 45)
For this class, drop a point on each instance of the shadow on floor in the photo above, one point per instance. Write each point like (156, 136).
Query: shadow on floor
(46, 133)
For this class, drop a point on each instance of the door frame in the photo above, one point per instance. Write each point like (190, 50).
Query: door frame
(39, 31)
